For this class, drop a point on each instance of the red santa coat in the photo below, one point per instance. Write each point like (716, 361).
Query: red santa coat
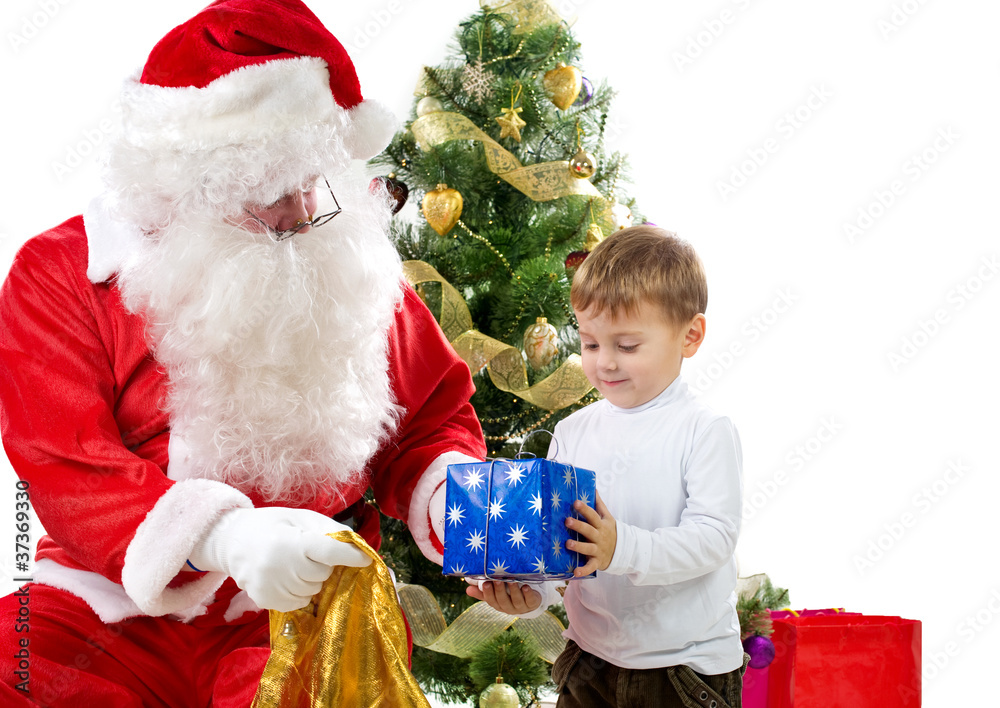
(82, 420)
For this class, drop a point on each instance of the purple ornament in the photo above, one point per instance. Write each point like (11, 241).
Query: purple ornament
(586, 93)
(760, 649)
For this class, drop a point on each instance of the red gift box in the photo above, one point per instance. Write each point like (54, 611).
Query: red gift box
(844, 660)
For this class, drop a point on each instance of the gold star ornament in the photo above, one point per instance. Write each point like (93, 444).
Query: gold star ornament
(511, 123)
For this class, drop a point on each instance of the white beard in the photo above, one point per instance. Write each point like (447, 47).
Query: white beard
(276, 353)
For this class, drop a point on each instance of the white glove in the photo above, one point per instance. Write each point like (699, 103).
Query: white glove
(280, 556)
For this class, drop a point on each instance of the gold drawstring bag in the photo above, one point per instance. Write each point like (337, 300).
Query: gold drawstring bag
(347, 649)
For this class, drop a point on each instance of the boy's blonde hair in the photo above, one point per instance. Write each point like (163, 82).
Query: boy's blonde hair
(642, 263)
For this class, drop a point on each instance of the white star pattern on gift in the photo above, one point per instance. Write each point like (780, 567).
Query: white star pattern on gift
(455, 515)
(498, 568)
(474, 478)
(521, 535)
(536, 504)
(514, 474)
(476, 541)
(518, 536)
(496, 509)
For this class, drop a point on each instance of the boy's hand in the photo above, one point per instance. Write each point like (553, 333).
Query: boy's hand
(600, 529)
(512, 598)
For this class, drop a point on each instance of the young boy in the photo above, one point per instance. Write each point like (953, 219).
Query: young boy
(658, 625)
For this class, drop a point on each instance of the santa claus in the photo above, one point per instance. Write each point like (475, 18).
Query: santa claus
(205, 372)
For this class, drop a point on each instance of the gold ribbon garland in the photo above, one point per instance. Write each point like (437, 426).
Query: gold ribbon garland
(529, 14)
(347, 648)
(478, 624)
(541, 182)
(505, 365)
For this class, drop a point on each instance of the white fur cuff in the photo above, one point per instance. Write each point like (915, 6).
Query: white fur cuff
(106, 598)
(420, 521)
(164, 540)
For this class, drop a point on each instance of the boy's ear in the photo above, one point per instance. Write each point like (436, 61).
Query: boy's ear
(694, 336)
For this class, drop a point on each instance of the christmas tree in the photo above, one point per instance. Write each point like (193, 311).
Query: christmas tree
(505, 151)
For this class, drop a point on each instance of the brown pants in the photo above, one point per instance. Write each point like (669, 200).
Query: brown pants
(586, 681)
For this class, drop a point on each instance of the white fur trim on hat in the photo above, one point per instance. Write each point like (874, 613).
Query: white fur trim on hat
(164, 540)
(242, 106)
(426, 514)
(248, 137)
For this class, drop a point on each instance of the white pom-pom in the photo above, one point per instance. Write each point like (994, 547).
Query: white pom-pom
(370, 128)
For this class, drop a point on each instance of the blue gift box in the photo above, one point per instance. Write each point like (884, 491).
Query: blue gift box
(506, 519)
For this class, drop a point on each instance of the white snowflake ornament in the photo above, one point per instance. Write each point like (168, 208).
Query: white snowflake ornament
(477, 81)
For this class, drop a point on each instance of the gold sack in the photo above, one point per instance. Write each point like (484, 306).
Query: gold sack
(347, 649)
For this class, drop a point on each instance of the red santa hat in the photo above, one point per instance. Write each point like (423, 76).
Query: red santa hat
(242, 101)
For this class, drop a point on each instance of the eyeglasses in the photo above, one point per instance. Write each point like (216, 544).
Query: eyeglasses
(282, 234)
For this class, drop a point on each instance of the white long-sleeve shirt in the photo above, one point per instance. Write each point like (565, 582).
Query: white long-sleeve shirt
(669, 471)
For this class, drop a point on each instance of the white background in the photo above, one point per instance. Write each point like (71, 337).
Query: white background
(850, 501)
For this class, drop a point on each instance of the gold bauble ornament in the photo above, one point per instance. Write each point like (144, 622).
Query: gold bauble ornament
(428, 104)
(499, 695)
(442, 208)
(511, 123)
(582, 165)
(541, 343)
(621, 215)
(563, 85)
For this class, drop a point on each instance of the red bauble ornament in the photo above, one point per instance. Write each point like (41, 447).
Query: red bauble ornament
(398, 191)
(594, 236)
(573, 261)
